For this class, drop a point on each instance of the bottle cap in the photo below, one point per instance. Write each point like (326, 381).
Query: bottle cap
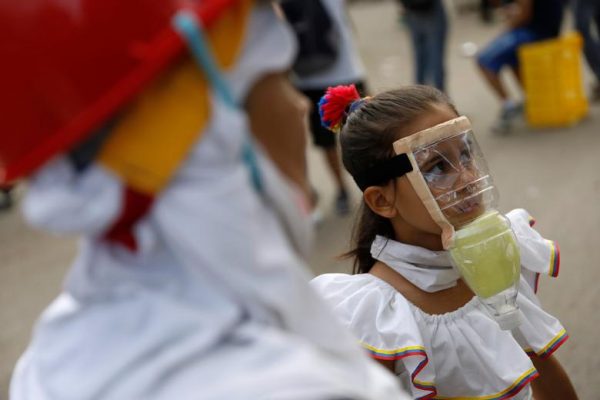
(509, 320)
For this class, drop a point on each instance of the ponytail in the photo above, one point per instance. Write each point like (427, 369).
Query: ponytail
(367, 227)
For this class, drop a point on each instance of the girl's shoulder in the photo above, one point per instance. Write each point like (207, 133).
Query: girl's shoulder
(362, 282)
(353, 294)
(365, 304)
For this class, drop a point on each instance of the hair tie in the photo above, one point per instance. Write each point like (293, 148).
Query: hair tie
(356, 104)
(335, 102)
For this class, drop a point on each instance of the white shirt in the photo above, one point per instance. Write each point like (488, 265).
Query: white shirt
(462, 353)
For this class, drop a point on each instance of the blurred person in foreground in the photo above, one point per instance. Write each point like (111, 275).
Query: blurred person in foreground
(176, 153)
(587, 20)
(527, 21)
(327, 57)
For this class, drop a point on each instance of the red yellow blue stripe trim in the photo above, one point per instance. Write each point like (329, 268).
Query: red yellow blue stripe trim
(507, 393)
(554, 254)
(551, 347)
(397, 354)
(409, 351)
(554, 259)
(554, 344)
(554, 265)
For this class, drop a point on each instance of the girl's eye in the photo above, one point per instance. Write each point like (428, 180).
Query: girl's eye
(437, 168)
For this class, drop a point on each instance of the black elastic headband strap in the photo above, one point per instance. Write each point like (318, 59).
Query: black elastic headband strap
(384, 171)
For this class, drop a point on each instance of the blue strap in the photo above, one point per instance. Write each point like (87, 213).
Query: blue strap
(190, 29)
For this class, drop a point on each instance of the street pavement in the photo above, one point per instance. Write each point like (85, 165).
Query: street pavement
(554, 174)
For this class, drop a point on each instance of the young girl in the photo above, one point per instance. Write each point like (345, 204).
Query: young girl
(406, 305)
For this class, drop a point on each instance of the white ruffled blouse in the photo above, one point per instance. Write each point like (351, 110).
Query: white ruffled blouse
(460, 354)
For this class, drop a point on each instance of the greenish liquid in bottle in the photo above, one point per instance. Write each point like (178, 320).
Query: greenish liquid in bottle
(487, 255)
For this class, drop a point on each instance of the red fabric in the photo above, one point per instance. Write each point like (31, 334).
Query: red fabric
(69, 66)
(135, 206)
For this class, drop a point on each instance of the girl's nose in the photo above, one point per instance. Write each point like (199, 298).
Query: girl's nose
(468, 174)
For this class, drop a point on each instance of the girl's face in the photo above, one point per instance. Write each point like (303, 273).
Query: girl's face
(412, 222)
(454, 177)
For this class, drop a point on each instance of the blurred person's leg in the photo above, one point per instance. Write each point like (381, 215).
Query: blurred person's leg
(499, 53)
(342, 201)
(419, 44)
(326, 141)
(597, 27)
(495, 56)
(485, 9)
(587, 22)
(437, 47)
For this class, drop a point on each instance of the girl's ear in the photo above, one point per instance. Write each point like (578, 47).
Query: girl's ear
(380, 200)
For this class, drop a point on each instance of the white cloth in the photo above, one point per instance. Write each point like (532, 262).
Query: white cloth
(428, 270)
(462, 353)
(432, 271)
(348, 67)
(92, 199)
(538, 255)
(214, 305)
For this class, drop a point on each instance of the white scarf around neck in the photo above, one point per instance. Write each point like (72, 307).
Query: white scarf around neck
(429, 270)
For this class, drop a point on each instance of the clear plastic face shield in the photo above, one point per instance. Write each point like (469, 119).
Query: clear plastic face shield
(449, 174)
(457, 176)
(451, 177)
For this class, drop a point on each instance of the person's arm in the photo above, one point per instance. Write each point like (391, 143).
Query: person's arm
(279, 121)
(553, 382)
(519, 13)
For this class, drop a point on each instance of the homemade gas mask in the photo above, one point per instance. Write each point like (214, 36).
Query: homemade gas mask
(447, 170)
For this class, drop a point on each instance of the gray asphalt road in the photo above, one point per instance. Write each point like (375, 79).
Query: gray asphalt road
(555, 174)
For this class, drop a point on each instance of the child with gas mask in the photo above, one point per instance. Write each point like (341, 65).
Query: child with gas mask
(444, 287)
(154, 134)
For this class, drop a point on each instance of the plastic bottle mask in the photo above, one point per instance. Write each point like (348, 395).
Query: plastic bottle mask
(452, 179)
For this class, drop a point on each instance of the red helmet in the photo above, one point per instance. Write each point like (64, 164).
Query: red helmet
(67, 66)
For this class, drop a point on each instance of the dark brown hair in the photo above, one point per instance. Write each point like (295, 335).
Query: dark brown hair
(366, 139)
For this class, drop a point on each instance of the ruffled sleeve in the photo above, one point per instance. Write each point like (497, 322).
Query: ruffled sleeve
(538, 255)
(540, 334)
(382, 322)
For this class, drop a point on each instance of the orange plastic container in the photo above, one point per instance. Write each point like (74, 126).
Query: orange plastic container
(551, 71)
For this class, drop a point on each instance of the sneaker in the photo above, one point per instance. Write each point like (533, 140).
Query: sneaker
(510, 111)
(342, 203)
